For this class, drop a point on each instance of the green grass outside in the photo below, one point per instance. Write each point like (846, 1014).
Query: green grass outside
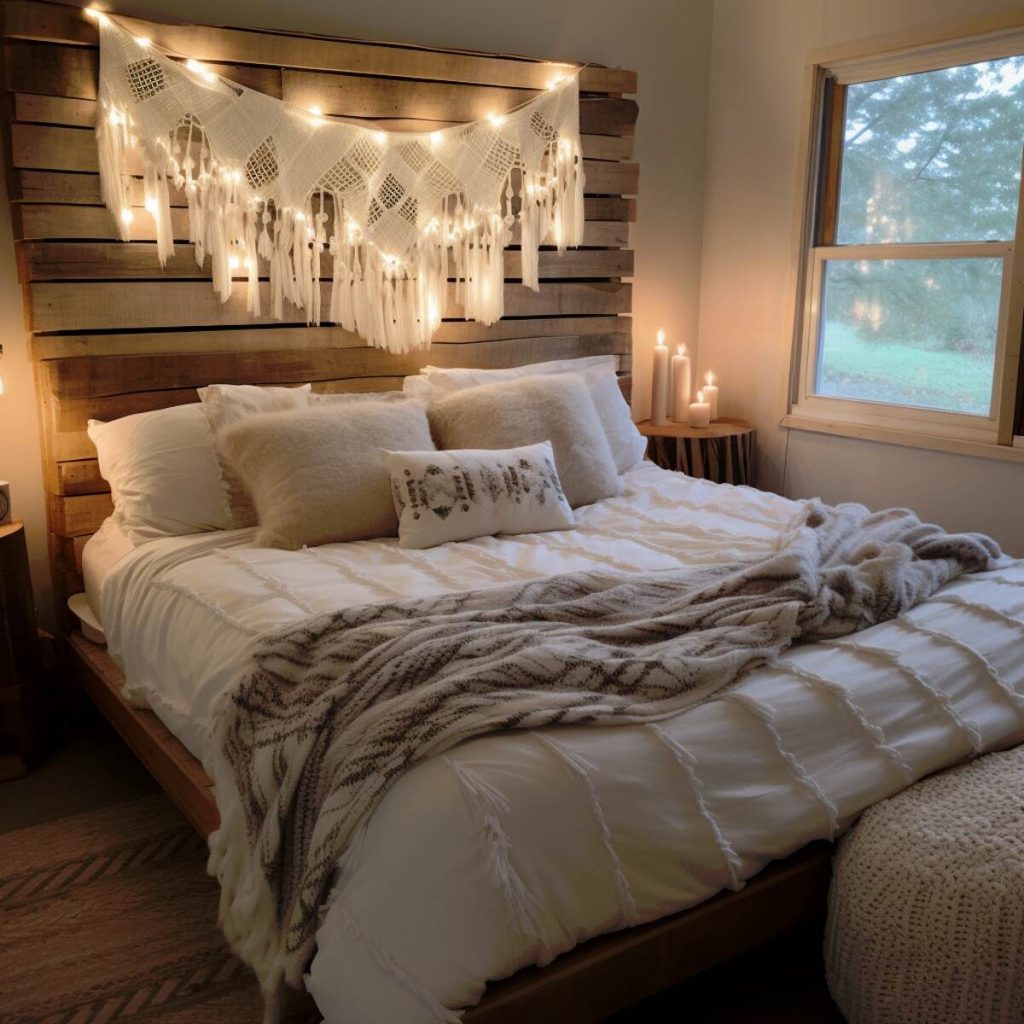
(891, 371)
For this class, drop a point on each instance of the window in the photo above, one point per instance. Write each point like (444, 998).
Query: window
(909, 319)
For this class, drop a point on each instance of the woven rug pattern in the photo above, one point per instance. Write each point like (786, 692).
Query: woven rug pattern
(110, 917)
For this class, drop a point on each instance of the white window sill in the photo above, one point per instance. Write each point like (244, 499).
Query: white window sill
(907, 438)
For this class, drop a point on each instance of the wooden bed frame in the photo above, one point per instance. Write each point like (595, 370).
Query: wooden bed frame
(114, 334)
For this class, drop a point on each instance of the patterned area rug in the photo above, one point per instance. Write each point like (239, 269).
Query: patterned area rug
(110, 916)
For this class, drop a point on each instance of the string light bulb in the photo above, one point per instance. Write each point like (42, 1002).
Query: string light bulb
(144, 41)
(200, 69)
(496, 119)
(115, 117)
(435, 138)
(150, 204)
(233, 262)
(318, 116)
(556, 82)
(97, 15)
(126, 215)
(380, 137)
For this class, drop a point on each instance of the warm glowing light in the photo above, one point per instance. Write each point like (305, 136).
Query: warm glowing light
(300, 216)
(115, 117)
(150, 204)
(316, 111)
(97, 15)
(661, 336)
(247, 263)
(380, 138)
(233, 263)
(318, 116)
(700, 397)
(680, 350)
(144, 41)
(496, 119)
(200, 69)
(126, 215)
(435, 138)
(556, 82)
(709, 378)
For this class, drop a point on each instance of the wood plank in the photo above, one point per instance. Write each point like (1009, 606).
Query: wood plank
(33, 186)
(56, 148)
(105, 306)
(273, 338)
(80, 477)
(28, 20)
(79, 113)
(102, 376)
(177, 771)
(50, 220)
(54, 261)
(353, 96)
(78, 514)
(74, 72)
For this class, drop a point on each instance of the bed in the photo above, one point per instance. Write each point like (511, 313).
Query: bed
(417, 925)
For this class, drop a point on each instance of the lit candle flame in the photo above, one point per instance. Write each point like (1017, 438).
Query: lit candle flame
(661, 336)
(700, 397)
(709, 378)
(680, 350)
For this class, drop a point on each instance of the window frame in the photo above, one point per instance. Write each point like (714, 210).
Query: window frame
(999, 433)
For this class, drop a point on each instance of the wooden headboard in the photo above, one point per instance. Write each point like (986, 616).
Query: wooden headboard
(113, 334)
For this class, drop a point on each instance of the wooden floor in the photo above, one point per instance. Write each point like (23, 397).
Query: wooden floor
(779, 983)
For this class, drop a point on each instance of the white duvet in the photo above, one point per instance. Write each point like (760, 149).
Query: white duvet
(601, 827)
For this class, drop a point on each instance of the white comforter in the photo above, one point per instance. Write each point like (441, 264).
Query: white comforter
(602, 827)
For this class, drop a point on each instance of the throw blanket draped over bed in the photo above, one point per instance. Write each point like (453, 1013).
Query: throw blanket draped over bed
(334, 711)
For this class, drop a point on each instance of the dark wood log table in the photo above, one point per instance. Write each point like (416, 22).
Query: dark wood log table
(724, 452)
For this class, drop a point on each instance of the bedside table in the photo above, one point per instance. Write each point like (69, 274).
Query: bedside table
(27, 661)
(724, 452)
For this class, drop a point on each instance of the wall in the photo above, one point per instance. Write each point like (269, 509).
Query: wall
(755, 112)
(666, 42)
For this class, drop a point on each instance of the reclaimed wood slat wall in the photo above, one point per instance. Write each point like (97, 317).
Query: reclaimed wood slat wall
(115, 334)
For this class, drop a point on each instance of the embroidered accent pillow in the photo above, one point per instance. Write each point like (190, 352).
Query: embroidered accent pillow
(556, 408)
(458, 495)
(316, 474)
(225, 404)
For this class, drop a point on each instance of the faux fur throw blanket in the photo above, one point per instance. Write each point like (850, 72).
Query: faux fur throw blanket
(336, 709)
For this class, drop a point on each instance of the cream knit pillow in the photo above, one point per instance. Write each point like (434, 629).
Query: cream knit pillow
(556, 408)
(316, 474)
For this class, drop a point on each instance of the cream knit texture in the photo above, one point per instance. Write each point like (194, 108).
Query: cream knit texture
(926, 912)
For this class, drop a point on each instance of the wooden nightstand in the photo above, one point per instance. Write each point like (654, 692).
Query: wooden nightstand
(724, 452)
(27, 661)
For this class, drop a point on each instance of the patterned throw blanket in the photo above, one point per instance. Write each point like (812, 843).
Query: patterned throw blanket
(336, 709)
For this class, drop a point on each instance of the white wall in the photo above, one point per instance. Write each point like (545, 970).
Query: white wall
(758, 55)
(666, 41)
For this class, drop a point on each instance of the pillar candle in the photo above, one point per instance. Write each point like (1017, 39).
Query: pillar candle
(680, 385)
(699, 413)
(660, 383)
(711, 394)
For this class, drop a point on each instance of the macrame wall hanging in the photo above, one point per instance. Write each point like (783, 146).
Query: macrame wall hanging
(274, 188)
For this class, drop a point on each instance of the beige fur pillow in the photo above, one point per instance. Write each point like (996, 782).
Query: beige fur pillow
(556, 408)
(317, 474)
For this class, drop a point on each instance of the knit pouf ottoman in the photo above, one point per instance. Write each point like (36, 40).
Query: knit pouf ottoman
(926, 911)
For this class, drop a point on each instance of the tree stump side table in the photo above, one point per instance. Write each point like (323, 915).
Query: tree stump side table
(724, 452)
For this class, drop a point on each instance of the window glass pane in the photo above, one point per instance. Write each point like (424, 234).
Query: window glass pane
(910, 332)
(933, 157)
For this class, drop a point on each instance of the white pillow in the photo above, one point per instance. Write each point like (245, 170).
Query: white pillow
(598, 372)
(225, 404)
(556, 408)
(316, 474)
(162, 472)
(354, 397)
(440, 378)
(458, 495)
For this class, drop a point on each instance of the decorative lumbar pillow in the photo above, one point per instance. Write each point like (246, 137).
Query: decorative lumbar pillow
(458, 495)
(556, 408)
(316, 474)
(225, 404)
(163, 475)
